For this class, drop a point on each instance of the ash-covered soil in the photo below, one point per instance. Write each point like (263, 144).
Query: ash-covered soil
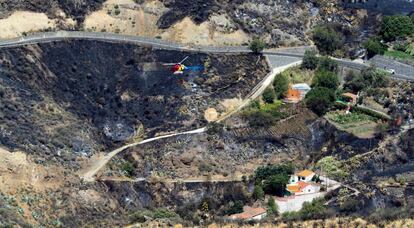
(75, 9)
(67, 99)
(228, 152)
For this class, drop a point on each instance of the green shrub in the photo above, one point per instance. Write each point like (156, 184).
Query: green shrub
(137, 217)
(352, 117)
(313, 210)
(234, 207)
(310, 210)
(396, 26)
(281, 85)
(310, 60)
(320, 100)
(291, 216)
(127, 169)
(327, 79)
(257, 45)
(276, 184)
(332, 167)
(265, 115)
(326, 39)
(263, 172)
(368, 78)
(161, 213)
(327, 64)
(272, 208)
(400, 47)
(374, 47)
(269, 95)
(258, 192)
(272, 179)
(370, 112)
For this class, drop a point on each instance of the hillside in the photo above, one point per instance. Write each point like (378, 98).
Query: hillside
(211, 22)
(105, 132)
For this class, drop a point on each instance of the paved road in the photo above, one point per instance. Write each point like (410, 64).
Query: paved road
(402, 72)
(387, 63)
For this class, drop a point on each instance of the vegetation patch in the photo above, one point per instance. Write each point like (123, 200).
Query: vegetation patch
(264, 115)
(399, 55)
(354, 117)
(357, 123)
(272, 179)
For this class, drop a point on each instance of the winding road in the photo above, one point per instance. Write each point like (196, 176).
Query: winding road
(402, 71)
(279, 60)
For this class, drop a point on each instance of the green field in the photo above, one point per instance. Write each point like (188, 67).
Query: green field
(399, 55)
(358, 124)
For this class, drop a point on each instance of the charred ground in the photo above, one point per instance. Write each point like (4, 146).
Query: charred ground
(65, 99)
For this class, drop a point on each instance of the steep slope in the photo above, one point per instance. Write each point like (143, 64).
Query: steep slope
(67, 99)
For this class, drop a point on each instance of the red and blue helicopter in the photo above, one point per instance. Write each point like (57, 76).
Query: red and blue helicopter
(179, 68)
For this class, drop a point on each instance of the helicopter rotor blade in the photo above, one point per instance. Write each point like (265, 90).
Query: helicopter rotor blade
(184, 60)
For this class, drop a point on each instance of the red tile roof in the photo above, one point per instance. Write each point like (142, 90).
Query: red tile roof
(249, 213)
(305, 173)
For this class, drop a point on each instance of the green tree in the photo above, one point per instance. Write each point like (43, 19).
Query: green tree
(396, 26)
(234, 207)
(327, 79)
(320, 100)
(326, 39)
(310, 60)
(374, 47)
(313, 210)
(272, 207)
(276, 184)
(258, 192)
(369, 77)
(269, 95)
(332, 167)
(257, 45)
(281, 85)
(263, 172)
(327, 64)
(375, 77)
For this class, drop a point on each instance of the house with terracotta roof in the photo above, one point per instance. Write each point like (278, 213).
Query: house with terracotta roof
(250, 213)
(353, 98)
(297, 92)
(304, 175)
(302, 187)
(301, 183)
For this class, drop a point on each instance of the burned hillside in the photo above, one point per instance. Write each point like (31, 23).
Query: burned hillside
(75, 9)
(65, 99)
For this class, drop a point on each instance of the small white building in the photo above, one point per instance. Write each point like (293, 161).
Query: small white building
(305, 175)
(250, 213)
(301, 188)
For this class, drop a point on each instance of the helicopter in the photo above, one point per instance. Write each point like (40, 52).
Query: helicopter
(179, 68)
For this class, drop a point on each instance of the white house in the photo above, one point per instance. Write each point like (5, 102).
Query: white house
(301, 188)
(250, 213)
(305, 175)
